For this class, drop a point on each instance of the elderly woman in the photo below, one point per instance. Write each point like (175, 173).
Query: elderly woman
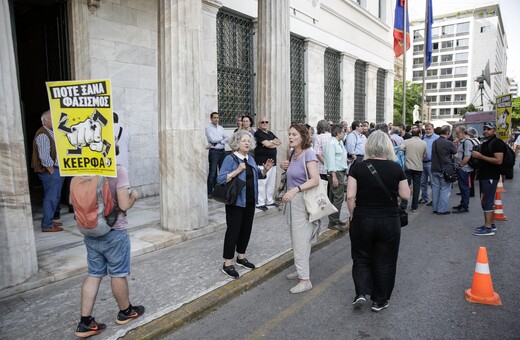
(375, 228)
(239, 217)
(302, 174)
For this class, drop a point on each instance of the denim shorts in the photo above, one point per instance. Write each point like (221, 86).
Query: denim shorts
(108, 254)
(488, 188)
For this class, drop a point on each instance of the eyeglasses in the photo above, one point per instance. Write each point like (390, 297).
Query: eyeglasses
(264, 122)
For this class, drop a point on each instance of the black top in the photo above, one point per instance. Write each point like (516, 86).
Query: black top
(262, 153)
(489, 148)
(442, 154)
(250, 185)
(371, 199)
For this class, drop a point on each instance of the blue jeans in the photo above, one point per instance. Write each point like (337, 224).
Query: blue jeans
(414, 179)
(109, 253)
(215, 158)
(426, 174)
(463, 181)
(441, 192)
(51, 196)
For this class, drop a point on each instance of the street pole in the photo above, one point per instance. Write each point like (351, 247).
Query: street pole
(425, 47)
(404, 61)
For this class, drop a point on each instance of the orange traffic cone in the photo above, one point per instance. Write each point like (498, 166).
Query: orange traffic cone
(500, 186)
(498, 213)
(481, 290)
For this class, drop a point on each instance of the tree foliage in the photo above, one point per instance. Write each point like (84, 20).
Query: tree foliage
(515, 116)
(413, 97)
(469, 108)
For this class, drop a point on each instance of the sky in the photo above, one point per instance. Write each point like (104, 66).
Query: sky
(510, 10)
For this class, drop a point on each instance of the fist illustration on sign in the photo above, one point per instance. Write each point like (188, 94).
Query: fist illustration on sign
(85, 133)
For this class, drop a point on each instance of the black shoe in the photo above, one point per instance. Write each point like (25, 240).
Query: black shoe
(93, 328)
(458, 207)
(245, 263)
(460, 210)
(124, 318)
(359, 301)
(429, 204)
(459, 193)
(377, 307)
(274, 204)
(262, 207)
(230, 271)
(422, 201)
(442, 213)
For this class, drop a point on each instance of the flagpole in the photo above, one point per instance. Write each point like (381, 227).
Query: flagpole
(405, 6)
(425, 48)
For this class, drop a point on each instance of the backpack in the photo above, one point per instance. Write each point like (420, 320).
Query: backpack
(95, 210)
(508, 162)
(401, 159)
(472, 161)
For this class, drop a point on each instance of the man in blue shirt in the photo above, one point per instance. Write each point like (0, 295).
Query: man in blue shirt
(429, 137)
(217, 139)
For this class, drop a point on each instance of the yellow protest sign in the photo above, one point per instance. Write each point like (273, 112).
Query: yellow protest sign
(504, 110)
(83, 125)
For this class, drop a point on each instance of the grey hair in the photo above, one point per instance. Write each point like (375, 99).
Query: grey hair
(45, 115)
(472, 132)
(445, 129)
(395, 130)
(234, 142)
(322, 126)
(379, 145)
(382, 127)
(462, 129)
(336, 129)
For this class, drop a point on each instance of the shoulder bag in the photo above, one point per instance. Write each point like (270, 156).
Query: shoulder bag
(317, 202)
(449, 174)
(403, 214)
(228, 192)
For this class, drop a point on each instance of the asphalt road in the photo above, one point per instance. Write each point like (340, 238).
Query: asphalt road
(436, 265)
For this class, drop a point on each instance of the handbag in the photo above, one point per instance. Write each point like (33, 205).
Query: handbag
(317, 202)
(403, 214)
(228, 192)
(449, 175)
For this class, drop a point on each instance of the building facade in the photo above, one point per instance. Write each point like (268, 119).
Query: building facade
(172, 63)
(463, 44)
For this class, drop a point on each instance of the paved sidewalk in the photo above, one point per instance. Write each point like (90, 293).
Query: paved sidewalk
(186, 268)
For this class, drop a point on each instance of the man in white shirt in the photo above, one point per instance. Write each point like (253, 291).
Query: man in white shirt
(123, 141)
(356, 142)
(217, 140)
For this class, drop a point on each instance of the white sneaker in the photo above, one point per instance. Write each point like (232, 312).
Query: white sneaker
(301, 287)
(292, 276)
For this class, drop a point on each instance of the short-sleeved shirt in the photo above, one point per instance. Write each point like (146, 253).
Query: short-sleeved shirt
(371, 199)
(296, 173)
(118, 183)
(489, 148)
(262, 153)
(464, 150)
(415, 148)
(321, 142)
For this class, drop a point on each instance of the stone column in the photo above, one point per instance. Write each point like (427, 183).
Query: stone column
(315, 80)
(389, 96)
(347, 87)
(18, 259)
(273, 68)
(209, 57)
(371, 89)
(182, 155)
(80, 40)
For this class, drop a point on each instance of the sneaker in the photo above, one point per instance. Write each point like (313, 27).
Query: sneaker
(377, 307)
(124, 318)
(94, 328)
(359, 301)
(301, 287)
(292, 276)
(483, 231)
(230, 271)
(262, 207)
(422, 201)
(245, 263)
(493, 227)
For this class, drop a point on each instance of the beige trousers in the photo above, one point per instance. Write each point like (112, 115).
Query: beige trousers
(301, 235)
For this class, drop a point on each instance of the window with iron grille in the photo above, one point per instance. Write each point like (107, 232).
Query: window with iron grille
(235, 74)
(332, 86)
(380, 96)
(297, 81)
(360, 70)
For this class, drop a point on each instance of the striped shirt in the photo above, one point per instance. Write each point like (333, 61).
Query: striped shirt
(44, 149)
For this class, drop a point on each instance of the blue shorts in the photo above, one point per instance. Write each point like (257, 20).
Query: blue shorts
(108, 254)
(488, 187)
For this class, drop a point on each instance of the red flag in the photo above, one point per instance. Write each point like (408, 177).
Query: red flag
(399, 29)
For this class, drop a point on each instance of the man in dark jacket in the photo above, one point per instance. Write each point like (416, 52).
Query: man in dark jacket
(442, 160)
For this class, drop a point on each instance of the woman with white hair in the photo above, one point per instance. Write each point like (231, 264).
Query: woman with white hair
(375, 227)
(239, 217)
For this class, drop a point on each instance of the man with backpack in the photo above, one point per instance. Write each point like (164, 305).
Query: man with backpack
(490, 158)
(462, 167)
(108, 254)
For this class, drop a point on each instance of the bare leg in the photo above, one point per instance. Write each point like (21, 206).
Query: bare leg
(120, 291)
(88, 294)
(488, 215)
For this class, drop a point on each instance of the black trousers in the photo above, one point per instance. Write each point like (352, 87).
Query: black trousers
(374, 249)
(239, 225)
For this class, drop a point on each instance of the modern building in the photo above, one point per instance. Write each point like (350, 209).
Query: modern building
(464, 43)
(513, 88)
(172, 63)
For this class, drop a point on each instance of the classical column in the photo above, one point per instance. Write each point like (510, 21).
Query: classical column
(389, 95)
(273, 68)
(210, 9)
(182, 155)
(17, 248)
(80, 40)
(315, 80)
(371, 92)
(348, 63)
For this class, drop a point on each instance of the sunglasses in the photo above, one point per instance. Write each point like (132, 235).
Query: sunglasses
(264, 122)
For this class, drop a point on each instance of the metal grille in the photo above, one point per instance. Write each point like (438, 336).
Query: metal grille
(359, 90)
(297, 81)
(235, 72)
(332, 86)
(380, 96)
